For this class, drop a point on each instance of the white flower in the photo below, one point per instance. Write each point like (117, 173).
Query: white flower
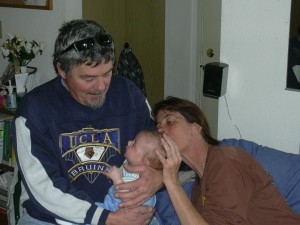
(20, 51)
(42, 45)
(5, 52)
(20, 37)
(28, 47)
(36, 50)
(10, 36)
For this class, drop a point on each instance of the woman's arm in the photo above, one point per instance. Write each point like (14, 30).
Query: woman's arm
(184, 208)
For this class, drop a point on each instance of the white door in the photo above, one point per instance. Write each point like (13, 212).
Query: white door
(209, 17)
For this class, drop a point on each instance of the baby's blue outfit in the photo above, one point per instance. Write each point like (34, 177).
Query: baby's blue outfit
(112, 203)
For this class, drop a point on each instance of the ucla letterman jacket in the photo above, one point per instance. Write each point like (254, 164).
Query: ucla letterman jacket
(63, 147)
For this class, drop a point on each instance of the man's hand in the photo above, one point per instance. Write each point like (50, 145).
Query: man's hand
(140, 215)
(142, 189)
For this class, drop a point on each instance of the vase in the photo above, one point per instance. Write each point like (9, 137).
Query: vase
(23, 69)
(21, 79)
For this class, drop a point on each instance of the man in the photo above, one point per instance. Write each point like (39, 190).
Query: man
(70, 130)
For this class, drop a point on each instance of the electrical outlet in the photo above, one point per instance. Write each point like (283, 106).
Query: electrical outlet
(0, 29)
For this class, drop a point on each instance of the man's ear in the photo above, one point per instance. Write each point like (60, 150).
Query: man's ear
(60, 71)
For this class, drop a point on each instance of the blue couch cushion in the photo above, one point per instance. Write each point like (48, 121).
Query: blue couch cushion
(284, 167)
(165, 212)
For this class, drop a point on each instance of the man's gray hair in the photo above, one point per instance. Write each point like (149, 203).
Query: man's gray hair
(77, 30)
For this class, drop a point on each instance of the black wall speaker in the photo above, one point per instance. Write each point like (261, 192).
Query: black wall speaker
(215, 79)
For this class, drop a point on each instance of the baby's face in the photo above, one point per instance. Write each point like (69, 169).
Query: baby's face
(135, 150)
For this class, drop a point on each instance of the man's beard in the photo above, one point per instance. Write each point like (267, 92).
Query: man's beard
(98, 104)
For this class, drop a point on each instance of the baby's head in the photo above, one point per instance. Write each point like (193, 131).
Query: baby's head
(142, 150)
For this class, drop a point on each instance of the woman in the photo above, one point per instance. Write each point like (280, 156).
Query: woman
(231, 187)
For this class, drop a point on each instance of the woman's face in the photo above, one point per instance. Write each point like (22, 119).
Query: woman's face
(175, 126)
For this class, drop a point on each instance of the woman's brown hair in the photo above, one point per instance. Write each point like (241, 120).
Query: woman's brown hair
(190, 111)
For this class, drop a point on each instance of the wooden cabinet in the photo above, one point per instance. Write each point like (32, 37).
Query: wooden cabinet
(142, 25)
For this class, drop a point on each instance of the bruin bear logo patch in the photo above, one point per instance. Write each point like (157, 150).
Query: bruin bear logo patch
(89, 150)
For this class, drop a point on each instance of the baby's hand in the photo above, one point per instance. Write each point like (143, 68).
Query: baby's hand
(114, 174)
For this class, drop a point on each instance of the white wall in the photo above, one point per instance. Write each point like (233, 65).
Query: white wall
(254, 42)
(39, 25)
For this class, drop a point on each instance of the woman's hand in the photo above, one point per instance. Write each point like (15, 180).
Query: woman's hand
(171, 161)
(142, 189)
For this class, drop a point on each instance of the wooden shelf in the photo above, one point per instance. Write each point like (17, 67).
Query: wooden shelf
(5, 168)
(6, 111)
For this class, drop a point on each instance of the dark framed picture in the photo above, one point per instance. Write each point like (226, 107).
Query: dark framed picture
(293, 70)
(29, 4)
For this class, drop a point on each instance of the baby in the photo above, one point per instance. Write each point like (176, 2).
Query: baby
(140, 151)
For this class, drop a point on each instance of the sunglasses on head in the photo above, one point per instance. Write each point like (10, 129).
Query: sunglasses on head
(103, 40)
